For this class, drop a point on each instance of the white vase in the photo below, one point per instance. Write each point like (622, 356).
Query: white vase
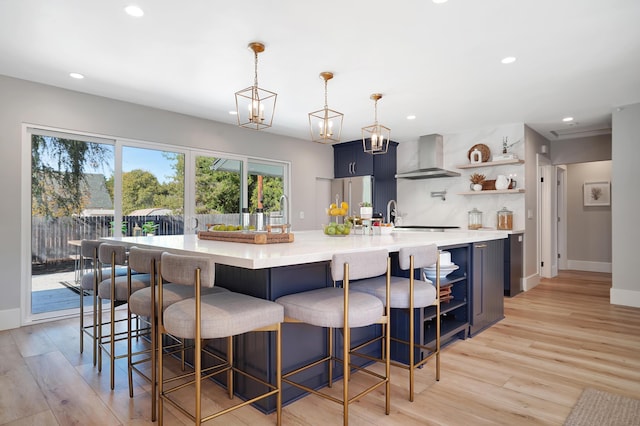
(366, 212)
(477, 187)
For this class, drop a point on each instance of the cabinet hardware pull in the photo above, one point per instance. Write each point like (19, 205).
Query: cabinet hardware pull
(481, 246)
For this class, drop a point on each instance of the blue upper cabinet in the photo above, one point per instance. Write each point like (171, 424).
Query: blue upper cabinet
(349, 159)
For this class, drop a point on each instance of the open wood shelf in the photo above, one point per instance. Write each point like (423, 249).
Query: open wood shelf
(494, 191)
(490, 163)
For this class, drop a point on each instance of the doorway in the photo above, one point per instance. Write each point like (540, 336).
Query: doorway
(547, 218)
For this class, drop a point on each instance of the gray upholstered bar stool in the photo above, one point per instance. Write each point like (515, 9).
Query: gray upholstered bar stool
(408, 294)
(116, 289)
(212, 316)
(341, 308)
(90, 277)
(148, 261)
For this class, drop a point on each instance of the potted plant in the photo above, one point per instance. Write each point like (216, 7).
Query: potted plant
(366, 210)
(149, 228)
(123, 227)
(476, 181)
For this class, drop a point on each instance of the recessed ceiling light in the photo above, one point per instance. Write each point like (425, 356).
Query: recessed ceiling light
(508, 60)
(76, 75)
(411, 117)
(234, 112)
(567, 119)
(439, 1)
(134, 10)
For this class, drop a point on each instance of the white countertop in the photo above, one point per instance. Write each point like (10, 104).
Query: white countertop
(308, 247)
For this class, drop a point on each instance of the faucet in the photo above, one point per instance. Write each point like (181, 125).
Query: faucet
(284, 209)
(393, 211)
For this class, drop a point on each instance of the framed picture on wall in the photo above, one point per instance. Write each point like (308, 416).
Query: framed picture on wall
(597, 194)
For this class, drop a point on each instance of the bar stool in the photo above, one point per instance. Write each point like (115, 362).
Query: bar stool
(341, 308)
(89, 280)
(89, 253)
(148, 261)
(117, 290)
(409, 294)
(219, 315)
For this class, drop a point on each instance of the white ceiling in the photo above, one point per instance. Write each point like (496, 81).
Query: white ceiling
(440, 62)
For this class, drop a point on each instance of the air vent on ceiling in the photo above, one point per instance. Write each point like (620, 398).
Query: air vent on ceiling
(576, 131)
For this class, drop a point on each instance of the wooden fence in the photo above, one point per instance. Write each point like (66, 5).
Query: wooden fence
(50, 236)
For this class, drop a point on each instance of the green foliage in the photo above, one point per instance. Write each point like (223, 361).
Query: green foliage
(112, 225)
(139, 189)
(149, 227)
(58, 187)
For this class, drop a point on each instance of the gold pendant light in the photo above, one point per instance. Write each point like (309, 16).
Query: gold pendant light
(325, 124)
(375, 138)
(255, 106)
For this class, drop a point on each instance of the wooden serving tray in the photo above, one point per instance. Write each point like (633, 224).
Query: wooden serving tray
(246, 237)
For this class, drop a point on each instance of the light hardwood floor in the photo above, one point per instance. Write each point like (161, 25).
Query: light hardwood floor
(530, 368)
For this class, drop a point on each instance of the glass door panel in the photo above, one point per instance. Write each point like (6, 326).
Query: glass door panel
(152, 194)
(266, 187)
(70, 201)
(218, 191)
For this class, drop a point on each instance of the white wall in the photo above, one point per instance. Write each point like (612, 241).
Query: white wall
(414, 196)
(625, 199)
(27, 102)
(588, 227)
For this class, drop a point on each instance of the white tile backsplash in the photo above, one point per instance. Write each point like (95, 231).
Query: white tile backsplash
(415, 203)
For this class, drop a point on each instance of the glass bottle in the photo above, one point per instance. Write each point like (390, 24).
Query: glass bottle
(245, 220)
(259, 220)
(505, 219)
(475, 219)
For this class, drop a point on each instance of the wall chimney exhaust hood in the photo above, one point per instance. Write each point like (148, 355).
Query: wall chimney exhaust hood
(430, 160)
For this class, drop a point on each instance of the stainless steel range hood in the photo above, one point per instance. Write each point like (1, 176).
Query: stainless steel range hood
(430, 160)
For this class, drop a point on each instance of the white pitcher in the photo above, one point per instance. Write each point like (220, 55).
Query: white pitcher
(502, 182)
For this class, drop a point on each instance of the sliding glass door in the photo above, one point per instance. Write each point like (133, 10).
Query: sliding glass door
(70, 200)
(85, 187)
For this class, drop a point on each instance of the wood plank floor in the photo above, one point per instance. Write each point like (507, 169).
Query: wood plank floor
(556, 340)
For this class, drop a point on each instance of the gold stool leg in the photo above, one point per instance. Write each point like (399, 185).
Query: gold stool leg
(279, 374)
(230, 370)
(99, 338)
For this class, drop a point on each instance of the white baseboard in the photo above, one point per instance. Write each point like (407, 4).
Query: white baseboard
(584, 265)
(9, 318)
(530, 282)
(618, 296)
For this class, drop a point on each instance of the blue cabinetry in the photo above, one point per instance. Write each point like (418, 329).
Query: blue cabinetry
(487, 284)
(349, 159)
(454, 310)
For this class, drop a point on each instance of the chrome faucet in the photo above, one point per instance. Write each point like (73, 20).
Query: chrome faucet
(393, 211)
(284, 209)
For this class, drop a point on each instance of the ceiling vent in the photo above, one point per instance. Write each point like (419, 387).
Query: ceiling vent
(575, 131)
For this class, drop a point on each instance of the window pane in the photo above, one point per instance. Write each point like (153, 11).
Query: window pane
(70, 201)
(218, 192)
(152, 191)
(266, 186)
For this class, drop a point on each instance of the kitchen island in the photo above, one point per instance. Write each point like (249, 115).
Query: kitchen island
(269, 271)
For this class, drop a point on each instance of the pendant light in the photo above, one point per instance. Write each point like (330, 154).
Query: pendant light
(325, 124)
(255, 106)
(375, 138)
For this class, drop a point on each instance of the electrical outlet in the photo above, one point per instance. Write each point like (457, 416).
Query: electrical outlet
(301, 214)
